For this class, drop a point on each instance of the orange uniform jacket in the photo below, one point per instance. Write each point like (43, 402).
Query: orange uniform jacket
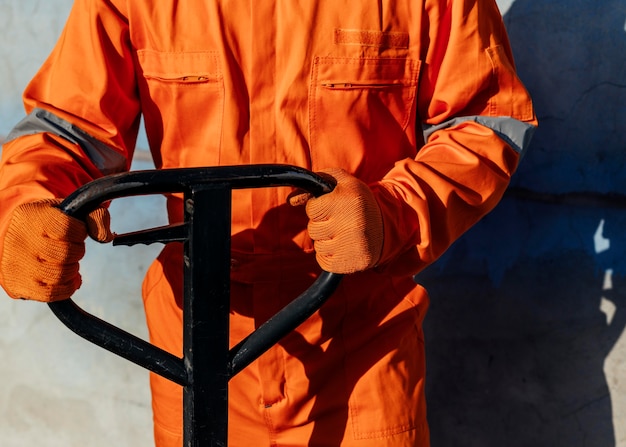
(418, 98)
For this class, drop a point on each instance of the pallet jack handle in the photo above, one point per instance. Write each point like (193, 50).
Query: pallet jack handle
(207, 363)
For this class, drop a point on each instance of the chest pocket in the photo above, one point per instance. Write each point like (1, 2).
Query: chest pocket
(183, 100)
(362, 110)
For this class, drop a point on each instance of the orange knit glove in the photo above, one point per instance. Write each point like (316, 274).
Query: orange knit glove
(346, 224)
(42, 247)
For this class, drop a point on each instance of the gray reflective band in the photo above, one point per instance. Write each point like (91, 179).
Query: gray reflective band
(103, 157)
(516, 133)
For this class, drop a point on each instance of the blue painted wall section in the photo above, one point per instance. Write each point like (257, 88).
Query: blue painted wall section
(518, 333)
(572, 55)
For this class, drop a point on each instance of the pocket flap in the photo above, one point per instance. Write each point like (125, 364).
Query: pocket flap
(175, 65)
(366, 72)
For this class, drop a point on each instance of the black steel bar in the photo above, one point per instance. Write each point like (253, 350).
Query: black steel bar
(163, 235)
(206, 310)
(90, 196)
(120, 342)
(283, 322)
(207, 363)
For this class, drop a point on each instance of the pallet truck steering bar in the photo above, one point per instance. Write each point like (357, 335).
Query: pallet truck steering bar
(207, 363)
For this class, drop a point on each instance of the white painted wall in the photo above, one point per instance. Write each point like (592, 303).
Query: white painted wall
(57, 390)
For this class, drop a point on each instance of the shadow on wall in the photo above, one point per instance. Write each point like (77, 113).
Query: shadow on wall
(528, 306)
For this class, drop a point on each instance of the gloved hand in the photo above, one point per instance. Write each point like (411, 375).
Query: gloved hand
(346, 224)
(42, 247)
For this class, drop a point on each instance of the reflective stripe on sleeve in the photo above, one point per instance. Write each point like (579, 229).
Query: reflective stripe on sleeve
(102, 156)
(514, 132)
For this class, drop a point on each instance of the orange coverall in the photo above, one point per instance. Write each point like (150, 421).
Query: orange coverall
(418, 95)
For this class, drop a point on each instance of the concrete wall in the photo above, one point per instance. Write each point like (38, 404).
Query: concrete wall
(525, 333)
(525, 337)
(57, 390)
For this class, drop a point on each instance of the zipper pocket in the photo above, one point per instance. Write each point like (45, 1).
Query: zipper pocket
(191, 79)
(360, 85)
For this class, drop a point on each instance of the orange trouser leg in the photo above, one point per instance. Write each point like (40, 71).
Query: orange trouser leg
(246, 424)
(350, 376)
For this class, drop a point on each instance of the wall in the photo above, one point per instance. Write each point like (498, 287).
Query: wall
(525, 335)
(525, 332)
(57, 390)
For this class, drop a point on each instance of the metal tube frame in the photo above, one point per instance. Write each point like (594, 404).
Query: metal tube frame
(207, 363)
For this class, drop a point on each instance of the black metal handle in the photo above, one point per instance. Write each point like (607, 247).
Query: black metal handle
(206, 315)
(90, 196)
(126, 345)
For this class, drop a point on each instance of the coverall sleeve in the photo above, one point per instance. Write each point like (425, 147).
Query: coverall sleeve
(82, 112)
(477, 117)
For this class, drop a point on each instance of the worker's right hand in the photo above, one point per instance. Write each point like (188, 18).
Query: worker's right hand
(42, 247)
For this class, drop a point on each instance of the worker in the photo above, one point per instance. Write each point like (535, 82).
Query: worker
(412, 106)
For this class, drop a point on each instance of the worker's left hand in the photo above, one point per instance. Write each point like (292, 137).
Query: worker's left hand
(346, 224)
